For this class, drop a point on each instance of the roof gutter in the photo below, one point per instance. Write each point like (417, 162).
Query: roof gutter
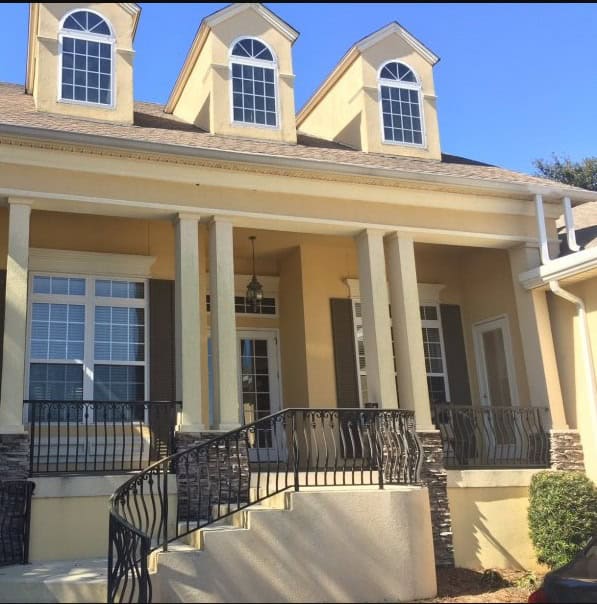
(524, 189)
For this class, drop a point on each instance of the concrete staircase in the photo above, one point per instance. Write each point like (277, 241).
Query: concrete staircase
(341, 544)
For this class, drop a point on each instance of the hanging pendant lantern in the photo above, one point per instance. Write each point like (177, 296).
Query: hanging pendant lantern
(254, 289)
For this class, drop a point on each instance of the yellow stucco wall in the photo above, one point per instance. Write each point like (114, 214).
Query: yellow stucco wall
(47, 54)
(569, 353)
(312, 270)
(210, 80)
(349, 112)
(490, 528)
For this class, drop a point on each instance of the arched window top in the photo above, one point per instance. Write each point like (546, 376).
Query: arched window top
(398, 72)
(87, 22)
(250, 48)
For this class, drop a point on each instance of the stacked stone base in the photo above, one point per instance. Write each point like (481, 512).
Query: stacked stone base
(216, 475)
(435, 478)
(565, 450)
(14, 456)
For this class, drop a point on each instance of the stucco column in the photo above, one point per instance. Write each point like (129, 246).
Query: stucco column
(381, 385)
(223, 325)
(188, 326)
(15, 319)
(406, 324)
(537, 340)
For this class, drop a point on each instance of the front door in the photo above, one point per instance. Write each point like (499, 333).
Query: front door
(259, 385)
(497, 385)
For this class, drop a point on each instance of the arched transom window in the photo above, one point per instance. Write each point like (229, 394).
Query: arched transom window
(400, 104)
(87, 59)
(253, 83)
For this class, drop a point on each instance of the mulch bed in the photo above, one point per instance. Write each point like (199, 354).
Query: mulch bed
(463, 585)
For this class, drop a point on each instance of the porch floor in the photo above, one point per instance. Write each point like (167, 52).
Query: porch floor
(57, 581)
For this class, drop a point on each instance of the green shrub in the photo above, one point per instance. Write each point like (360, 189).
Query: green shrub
(562, 515)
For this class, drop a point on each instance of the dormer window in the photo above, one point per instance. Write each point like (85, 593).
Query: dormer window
(400, 104)
(253, 83)
(87, 72)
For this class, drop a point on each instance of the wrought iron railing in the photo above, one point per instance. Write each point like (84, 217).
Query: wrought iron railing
(98, 436)
(15, 518)
(493, 437)
(288, 450)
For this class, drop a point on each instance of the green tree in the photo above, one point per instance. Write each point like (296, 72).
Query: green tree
(578, 174)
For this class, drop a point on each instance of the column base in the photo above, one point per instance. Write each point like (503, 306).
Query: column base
(565, 450)
(191, 428)
(435, 478)
(14, 456)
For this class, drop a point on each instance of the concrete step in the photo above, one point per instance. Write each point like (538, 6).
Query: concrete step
(59, 581)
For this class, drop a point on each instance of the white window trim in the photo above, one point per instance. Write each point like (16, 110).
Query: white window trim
(502, 322)
(89, 37)
(254, 63)
(271, 287)
(408, 86)
(428, 296)
(89, 300)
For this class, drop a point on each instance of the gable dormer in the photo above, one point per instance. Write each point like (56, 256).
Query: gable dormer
(80, 59)
(237, 78)
(380, 98)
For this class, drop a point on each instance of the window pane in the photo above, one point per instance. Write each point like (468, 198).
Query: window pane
(119, 333)
(119, 383)
(55, 381)
(57, 331)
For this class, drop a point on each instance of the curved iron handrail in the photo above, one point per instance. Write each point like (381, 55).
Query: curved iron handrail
(214, 479)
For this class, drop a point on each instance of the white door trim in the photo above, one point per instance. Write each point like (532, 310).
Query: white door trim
(499, 322)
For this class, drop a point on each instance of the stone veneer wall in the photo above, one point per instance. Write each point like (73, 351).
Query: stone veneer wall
(14, 456)
(565, 450)
(435, 478)
(217, 477)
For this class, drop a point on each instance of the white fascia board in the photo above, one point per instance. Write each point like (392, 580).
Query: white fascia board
(268, 15)
(560, 268)
(394, 27)
(548, 190)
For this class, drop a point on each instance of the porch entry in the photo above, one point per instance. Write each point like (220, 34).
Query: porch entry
(259, 384)
(497, 382)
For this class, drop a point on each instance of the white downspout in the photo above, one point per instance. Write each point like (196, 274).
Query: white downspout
(569, 220)
(587, 355)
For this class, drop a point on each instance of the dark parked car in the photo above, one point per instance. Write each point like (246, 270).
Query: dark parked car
(574, 582)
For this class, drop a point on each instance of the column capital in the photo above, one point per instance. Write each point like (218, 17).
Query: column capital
(218, 218)
(20, 201)
(365, 233)
(401, 235)
(188, 216)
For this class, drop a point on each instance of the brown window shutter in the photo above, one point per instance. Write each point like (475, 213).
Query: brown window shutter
(2, 306)
(460, 390)
(162, 375)
(347, 385)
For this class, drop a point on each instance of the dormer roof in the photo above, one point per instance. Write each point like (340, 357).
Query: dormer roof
(211, 21)
(130, 7)
(354, 52)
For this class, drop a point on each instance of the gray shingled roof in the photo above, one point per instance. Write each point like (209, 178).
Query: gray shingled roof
(152, 125)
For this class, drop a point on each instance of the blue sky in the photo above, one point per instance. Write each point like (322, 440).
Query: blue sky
(515, 81)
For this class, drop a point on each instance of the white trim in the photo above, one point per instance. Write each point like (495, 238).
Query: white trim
(89, 301)
(269, 16)
(90, 263)
(395, 27)
(560, 268)
(91, 37)
(499, 322)
(253, 62)
(405, 86)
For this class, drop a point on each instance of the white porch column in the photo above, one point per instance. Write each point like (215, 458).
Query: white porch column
(15, 319)
(188, 326)
(223, 325)
(381, 385)
(406, 324)
(537, 340)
